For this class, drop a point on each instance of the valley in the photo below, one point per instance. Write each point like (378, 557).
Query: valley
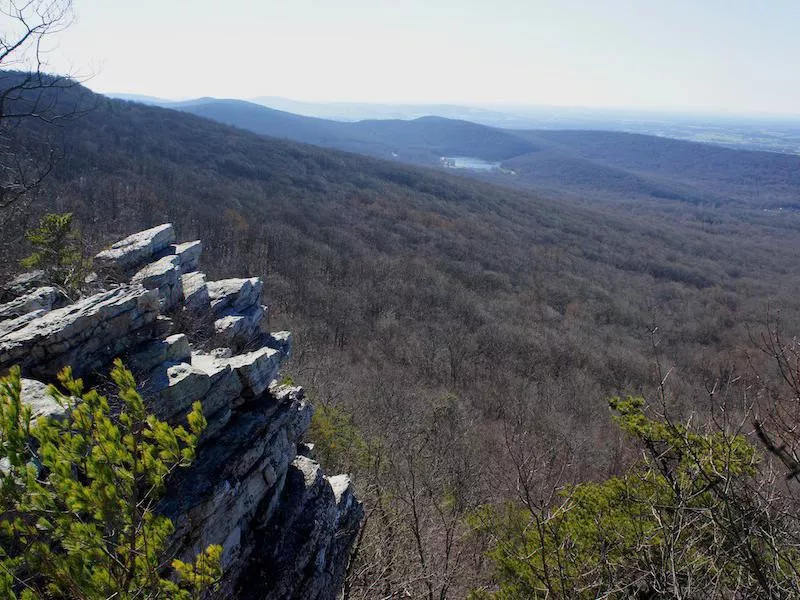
(399, 300)
(434, 313)
(596, 165)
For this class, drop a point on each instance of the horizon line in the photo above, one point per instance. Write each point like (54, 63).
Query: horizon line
(490, 106)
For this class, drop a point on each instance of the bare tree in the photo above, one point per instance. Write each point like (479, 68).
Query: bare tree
(27, 25)
(32, 102)
(28, 92)
(778, 421)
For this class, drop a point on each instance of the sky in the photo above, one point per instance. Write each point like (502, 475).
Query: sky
(729, 56)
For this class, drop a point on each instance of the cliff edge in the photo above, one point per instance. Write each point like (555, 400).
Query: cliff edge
(286, 527)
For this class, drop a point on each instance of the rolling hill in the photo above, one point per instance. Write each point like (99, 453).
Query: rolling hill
(697, 173)
(128, 164)
(419, 141)
(352, 244)
(595, 165)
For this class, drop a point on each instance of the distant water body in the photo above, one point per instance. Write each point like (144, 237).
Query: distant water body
(468, 162)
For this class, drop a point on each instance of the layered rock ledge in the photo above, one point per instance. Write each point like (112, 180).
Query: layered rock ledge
(286, 528)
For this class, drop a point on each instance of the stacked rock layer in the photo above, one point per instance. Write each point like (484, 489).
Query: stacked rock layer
(285, 527)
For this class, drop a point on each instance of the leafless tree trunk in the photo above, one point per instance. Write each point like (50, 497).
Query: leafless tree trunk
(28, 93)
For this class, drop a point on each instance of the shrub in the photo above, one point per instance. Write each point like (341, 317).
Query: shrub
(57, 251)
(338, 443)
(77, 497)
(688, 521)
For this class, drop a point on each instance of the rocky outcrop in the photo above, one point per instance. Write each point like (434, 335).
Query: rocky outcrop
(40, 298)
(136, 249)
(21, 285)
(286, 528)
(85, 334)
(316, 507)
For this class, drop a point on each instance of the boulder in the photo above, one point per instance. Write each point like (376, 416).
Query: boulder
(238, 329)
(236, 294)
(256, 370)
(163, 275)
(43, 298)
(86, 334)
(136, 249)
(34, 393)
(178, 349)
(162, 272)
(189, 255)
(195, 292)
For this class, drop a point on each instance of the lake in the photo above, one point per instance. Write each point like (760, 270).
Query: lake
(468, 162)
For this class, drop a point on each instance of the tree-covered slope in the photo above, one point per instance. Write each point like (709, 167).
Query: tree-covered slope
(343, 231)
(422, 140)
(601, 165)
(694, 172)
(438, 310)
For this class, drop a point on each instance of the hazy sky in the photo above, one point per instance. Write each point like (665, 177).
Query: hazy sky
(731, 55)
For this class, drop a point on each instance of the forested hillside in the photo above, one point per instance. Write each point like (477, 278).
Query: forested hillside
(596, 165)
(435, 313)
(636, 165)
(420, 141)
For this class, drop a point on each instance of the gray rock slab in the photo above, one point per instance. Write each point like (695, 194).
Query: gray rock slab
(172, 388)
(341, 486)
(178, 349)
(237, 329)
(189, 255)
(163, 275)
(211, 364)
(136, 249)
(256, 369)
(34, 393)
(214, 424)
(80, 330)
(236, 294)
(43, 298)
(314, 533)
(164, 271)
(282, 342)
(195, 292)
(10, 325)
(226, 385)
(145, 357)
(22, 284)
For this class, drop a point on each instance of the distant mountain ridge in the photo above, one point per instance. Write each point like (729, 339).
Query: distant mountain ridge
(772, 133)
(361, 111)
(596, 165)
(419, 141)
